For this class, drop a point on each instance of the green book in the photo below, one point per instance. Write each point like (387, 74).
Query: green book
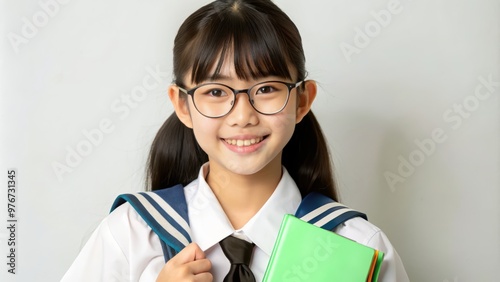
(305, 252)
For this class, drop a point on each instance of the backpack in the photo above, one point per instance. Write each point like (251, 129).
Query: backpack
(165, 211)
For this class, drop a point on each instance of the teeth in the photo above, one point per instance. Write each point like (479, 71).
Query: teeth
(243, 143)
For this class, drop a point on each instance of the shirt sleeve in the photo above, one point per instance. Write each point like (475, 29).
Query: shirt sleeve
(122, 248)
(101, 259)
(364, 232)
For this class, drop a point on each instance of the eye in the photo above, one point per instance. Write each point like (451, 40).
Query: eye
(215, 92)
(266, 89)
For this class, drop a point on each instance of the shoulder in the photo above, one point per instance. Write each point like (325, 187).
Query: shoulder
(366, 233)
(126, 225)
(124, 217)
(359, 230)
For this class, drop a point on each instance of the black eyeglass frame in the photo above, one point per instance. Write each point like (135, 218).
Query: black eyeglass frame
(290, 87)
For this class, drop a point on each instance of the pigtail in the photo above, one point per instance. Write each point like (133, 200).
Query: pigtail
(307, 159)
(175, 156)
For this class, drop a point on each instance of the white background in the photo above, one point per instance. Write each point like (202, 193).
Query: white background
(405, 81)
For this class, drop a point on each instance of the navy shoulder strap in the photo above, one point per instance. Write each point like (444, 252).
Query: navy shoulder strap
(323, 212)
(165, 211)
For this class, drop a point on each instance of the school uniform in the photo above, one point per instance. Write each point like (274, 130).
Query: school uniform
(124, 248)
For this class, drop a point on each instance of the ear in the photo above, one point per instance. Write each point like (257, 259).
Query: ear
(181, 105)
(305, 99)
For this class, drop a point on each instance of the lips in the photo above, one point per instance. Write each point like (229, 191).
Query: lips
(244, 142)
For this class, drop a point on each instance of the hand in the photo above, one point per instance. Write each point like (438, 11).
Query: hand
(189, 264)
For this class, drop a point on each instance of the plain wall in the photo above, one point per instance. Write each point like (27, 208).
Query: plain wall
(404, 100)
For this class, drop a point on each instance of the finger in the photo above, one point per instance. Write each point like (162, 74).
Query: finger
(199, 266)
(199, 254)
(190, 253)
(204, 277)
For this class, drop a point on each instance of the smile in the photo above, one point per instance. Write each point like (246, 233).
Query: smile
(244, 143)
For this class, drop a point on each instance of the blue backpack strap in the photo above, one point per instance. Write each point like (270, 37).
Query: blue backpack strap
(165, 211)
(323, 212)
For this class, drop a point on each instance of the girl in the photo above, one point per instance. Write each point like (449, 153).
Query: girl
(244, 143)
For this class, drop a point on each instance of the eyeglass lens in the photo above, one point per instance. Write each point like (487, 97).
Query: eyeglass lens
(215, 100)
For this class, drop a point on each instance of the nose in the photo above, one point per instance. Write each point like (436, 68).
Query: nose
(243, 114)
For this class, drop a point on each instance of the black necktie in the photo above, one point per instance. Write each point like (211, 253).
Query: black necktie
(238, 252)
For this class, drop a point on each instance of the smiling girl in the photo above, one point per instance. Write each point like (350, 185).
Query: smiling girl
(243, 142)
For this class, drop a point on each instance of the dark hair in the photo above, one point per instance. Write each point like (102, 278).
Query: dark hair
(263, 41)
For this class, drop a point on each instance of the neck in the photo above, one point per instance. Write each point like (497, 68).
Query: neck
(242, 196)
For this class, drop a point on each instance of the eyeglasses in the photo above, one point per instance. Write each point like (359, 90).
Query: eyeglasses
(216, 100)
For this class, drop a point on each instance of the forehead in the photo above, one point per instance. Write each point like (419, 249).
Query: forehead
(231, 66)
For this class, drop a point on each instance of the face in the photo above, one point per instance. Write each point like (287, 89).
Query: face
(243, 142)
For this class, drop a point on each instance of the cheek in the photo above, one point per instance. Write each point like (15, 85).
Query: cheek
(202, 127)
(205, 130)
(284, 124)
(285, 121)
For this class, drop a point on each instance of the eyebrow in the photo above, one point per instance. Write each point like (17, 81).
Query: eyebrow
(216, 77)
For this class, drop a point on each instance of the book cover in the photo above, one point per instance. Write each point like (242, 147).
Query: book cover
(304, 252)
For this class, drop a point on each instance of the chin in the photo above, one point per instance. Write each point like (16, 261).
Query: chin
(244, 170)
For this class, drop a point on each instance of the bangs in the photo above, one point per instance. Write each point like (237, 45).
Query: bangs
(247, 36)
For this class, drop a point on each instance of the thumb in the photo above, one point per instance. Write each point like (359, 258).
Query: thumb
(198, 252)
(190, 253)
